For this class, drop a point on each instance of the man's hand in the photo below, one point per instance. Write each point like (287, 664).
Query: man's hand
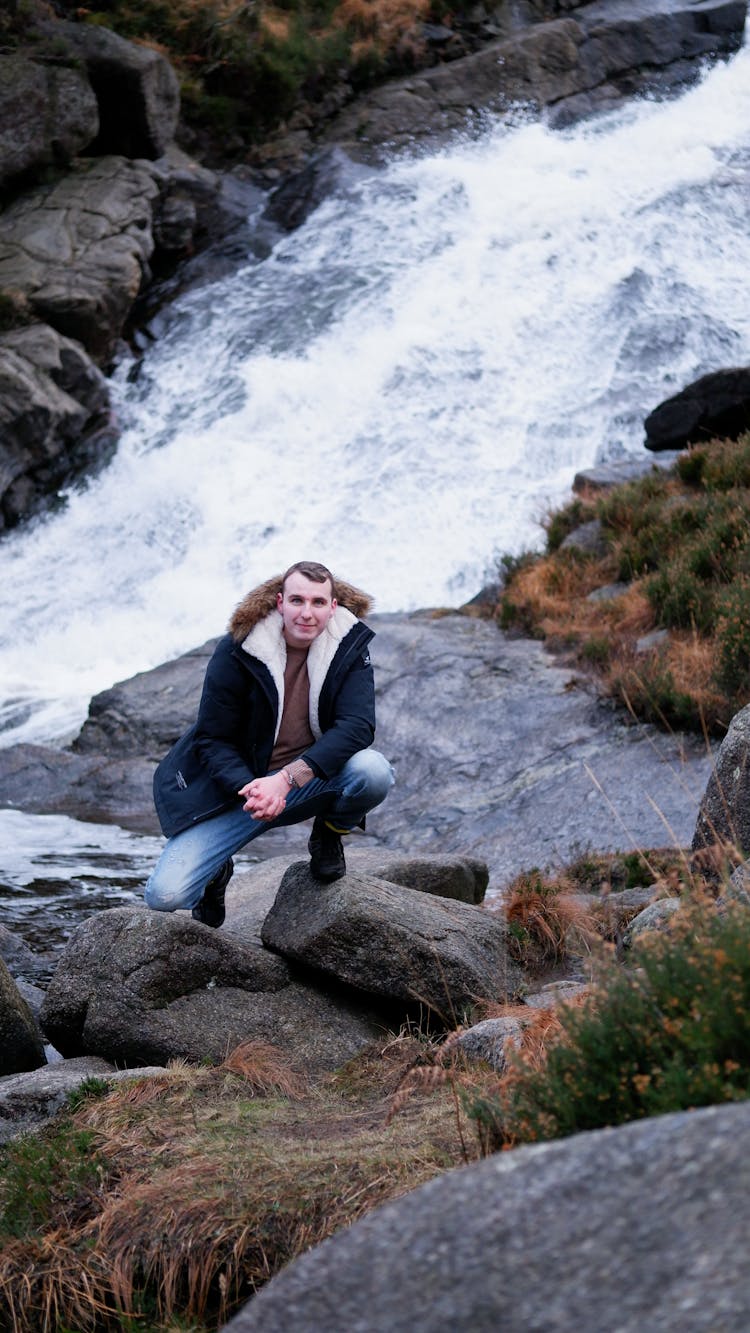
(265, 798)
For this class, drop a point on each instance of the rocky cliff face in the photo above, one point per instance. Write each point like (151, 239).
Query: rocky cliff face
(95, 190)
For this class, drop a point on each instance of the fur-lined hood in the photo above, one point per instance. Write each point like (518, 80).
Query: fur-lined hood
(262, 601)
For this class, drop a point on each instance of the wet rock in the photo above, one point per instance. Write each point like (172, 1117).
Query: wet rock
(330, 172)
(389, 941)
(43, 780)
(138, 987)
(21, 1047)
(430, 1260)
(146, 714)
(714, 406)
(580, 60)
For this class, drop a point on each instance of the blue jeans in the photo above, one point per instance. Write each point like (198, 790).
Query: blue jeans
(191, 858)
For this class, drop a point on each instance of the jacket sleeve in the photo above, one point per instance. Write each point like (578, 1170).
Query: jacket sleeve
(223, 720)
(352, 727)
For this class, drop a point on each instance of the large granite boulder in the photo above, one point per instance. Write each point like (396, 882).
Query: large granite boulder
(137, 91)
(586, 57)
(20, 1045)
(394, 942)
(139, 987)
(640, 1227)
(54, 416)
(724, 814)
(714, 406)
(48, 114)
(74, 253)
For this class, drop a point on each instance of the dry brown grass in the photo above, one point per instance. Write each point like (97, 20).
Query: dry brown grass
(215, 1179)
(380, 25)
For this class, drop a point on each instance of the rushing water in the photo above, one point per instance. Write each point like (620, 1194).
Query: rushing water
(400, 389)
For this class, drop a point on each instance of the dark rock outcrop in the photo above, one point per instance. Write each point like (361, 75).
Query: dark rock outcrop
(393, 942)
(714, 406)
(74, 253)
(21, 1047)
(658, 1208)
(136, 89)
(139, 987)
(48, 114)
(54, 416)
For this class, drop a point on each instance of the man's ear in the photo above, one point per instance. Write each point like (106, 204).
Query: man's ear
(279, 600)
(334, 604)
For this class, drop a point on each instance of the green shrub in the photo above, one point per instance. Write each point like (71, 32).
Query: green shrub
(671, 1035)
(733, 637)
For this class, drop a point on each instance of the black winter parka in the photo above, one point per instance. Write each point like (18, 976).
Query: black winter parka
(233, 737)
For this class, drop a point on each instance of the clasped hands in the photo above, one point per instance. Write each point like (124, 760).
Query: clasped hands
(265, 798)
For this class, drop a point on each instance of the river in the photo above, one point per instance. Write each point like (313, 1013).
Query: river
(401, 389)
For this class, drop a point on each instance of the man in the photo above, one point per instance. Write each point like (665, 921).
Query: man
(285, 721)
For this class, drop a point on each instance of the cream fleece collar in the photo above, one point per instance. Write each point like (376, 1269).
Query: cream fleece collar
(266, 642)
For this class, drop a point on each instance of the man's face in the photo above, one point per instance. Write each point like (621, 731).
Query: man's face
(306, 608)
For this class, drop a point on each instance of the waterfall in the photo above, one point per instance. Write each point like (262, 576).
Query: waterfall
(401, 389)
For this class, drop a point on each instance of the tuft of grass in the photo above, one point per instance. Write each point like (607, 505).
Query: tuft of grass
(672, 1034)
(545, 920)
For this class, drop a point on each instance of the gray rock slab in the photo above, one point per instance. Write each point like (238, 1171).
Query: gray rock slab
(136, 987)
(43, 780)
(28, 1100)
(638, 1228)
(500, 754)
(393, 942)
(605, 475)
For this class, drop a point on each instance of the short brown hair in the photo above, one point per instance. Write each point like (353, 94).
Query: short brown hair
(310, 569)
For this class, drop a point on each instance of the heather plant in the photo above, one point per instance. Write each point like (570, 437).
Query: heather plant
(671, 1033)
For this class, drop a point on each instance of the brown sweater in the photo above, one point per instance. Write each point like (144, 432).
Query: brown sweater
(294, 735)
